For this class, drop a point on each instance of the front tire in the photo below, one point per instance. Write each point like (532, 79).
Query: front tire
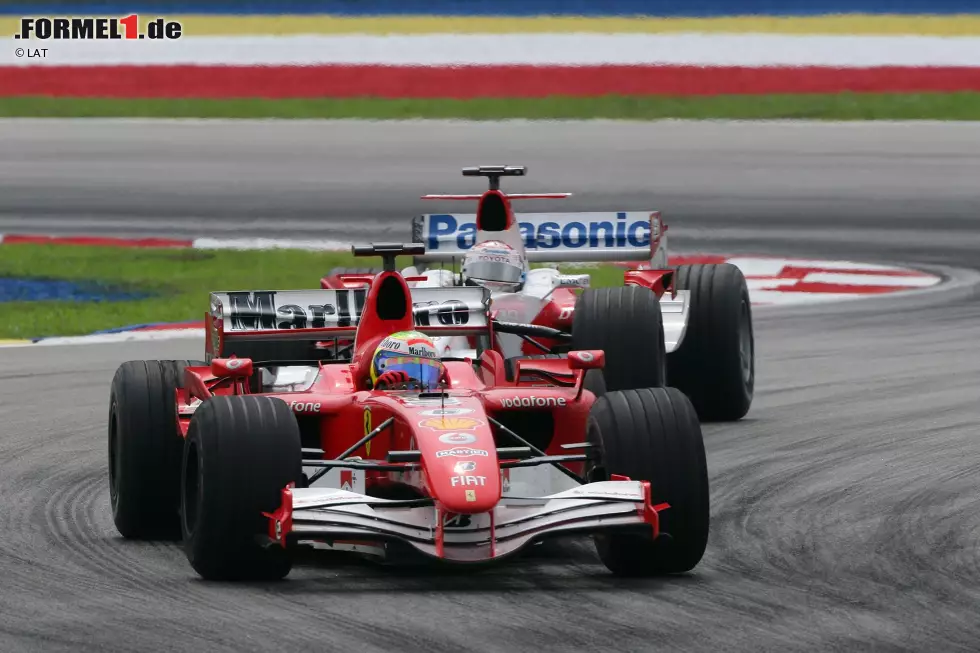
(653, 434)
(239, 454)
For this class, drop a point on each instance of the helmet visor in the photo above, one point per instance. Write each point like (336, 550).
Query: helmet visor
(493, 271)
(424, 373)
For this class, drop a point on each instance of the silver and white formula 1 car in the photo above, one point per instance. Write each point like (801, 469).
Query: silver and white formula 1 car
(689, 326)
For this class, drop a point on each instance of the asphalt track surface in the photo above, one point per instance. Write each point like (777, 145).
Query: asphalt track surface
(845, 510)
(885, 190)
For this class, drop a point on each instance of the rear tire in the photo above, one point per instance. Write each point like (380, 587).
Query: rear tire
(627, 325)
(653, 434)
(145, 448)
(239, 454)
(715, 362)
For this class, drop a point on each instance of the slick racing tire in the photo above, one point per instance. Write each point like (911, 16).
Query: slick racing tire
(653, 434)
(239, 454)
(715, 362)
(595, 383)
(145, 448)
(627, 325)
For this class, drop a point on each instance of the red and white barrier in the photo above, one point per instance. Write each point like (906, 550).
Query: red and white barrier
(520, 65)
(776, 281)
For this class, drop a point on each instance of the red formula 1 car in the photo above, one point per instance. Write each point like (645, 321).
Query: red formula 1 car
(251, 455)
(689, 327)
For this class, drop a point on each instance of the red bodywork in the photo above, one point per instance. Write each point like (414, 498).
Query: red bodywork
(458, 466)
(338, 407)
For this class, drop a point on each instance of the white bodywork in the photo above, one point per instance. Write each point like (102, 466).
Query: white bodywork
(520, 307)
(523, 307)
(447, 237)
(675, 312)
(340, 514)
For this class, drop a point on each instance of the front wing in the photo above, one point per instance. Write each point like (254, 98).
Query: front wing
(340, 516)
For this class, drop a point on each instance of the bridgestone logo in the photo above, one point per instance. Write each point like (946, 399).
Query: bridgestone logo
(532, 402)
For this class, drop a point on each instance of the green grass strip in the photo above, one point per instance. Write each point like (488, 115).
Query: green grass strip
(842, 106)
(180, 278)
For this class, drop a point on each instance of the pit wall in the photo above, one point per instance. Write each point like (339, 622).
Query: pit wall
(506, 48)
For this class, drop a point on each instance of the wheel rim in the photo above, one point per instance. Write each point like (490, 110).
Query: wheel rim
(595, 468)
(663, 357)
(113, 457)
(745, 345)
(190, 488)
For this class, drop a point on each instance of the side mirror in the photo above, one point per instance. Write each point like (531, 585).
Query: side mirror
(240, 367)
(587, 359)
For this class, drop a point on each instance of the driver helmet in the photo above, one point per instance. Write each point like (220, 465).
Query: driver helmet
(407, 360)
(494, 265)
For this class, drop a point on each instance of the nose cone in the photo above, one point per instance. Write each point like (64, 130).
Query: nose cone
(460, 459)
(466, 479)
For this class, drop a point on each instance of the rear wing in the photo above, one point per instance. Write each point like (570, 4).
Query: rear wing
(553, 237)
(261, 324)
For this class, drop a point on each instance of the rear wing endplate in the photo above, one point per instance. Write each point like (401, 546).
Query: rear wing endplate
(550, 237)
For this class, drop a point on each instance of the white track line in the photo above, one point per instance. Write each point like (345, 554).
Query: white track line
(270, 243)
(125, 336)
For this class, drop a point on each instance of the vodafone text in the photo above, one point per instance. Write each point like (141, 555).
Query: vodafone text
(532, 402)
(301, 407)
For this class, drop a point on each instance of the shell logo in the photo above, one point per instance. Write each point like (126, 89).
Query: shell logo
(451, 423)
